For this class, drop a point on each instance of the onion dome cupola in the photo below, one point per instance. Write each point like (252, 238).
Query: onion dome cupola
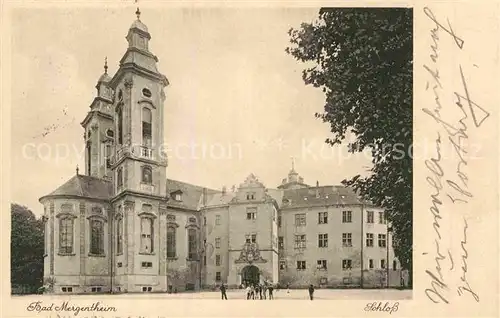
(294, 180)
(138, 55)
(103, 89)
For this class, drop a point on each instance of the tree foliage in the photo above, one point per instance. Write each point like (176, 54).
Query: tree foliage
(362, 60)
(27, 247)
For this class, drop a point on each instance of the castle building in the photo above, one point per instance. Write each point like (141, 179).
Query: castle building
(123, 226)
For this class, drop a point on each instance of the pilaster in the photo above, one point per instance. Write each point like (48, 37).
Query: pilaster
(130, 235)
(162, 266)
(52, 236)
(83, 241)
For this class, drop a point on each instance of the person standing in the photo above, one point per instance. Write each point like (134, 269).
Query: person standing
(260, 291)
(270, 289)
(223, 291)
(264, 290)
(288, 288)
(249, 291)
(311, 291)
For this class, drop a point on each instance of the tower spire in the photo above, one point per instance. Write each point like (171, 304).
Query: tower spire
(293, 163)
(106, 65)
(138, 13)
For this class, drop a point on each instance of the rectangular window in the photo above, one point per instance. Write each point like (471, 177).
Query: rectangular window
(146, 235)
(147, 289)
(171, 242)
(254, 238)
(119, 264)
(322, 217)
(66, 235)
(394, 265)
(346, 239)
(346, 264)
(282, 264)
(217, 242)
(146, 264)
(382, 240)
(192, 246)
(382, 263)
(67, 289)
(346, 216)
(300, 219)
(323, 240)
(205, 260)
(370, 264)
(322, 264)
(250, 196)
(369, 217)
(300, 241)
(96, 289)
(251, 213)
(381, 218)
(279, 220)
(204, 220)
(218, 276)
(281, 244)
(217, 260)
(217, 219)
(369, 239)
(301, 265)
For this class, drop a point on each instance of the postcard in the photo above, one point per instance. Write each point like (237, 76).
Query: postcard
(250, 159)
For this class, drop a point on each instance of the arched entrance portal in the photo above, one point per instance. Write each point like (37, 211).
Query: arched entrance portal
(250, 275)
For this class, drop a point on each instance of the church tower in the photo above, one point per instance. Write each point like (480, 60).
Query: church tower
(139, 167)
(99, 126)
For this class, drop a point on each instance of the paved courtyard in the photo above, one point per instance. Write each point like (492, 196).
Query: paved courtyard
(331, 294)
(282, 294)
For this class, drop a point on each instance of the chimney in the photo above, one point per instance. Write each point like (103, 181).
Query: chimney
(317, 189)
(233, 188)
(317, 184)
(223, 189)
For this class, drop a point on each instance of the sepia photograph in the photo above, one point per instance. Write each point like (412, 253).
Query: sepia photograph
(205, 153)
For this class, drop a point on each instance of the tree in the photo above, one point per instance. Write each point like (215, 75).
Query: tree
(362, 60)
(27, 248)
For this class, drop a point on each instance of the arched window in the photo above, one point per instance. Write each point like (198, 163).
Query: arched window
(119, 178)
(66, 235)
(147, 175)
(147, 235)
(147, 118)
(119, 236)
(119, 120)
(192, 244)
(89, 158)
(171, 242)
(97, 237)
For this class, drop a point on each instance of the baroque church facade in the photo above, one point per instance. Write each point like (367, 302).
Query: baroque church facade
(123, 226)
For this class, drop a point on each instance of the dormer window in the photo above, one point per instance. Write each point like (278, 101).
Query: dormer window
(177, 195)
(250, 196)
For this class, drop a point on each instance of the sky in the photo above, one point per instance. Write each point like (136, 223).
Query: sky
(233, 92)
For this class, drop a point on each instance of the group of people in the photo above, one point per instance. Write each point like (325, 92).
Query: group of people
(259, 291)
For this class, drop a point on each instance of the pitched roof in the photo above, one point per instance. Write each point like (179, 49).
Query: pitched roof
(317, 196)
(191, 194)
(84, 186)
